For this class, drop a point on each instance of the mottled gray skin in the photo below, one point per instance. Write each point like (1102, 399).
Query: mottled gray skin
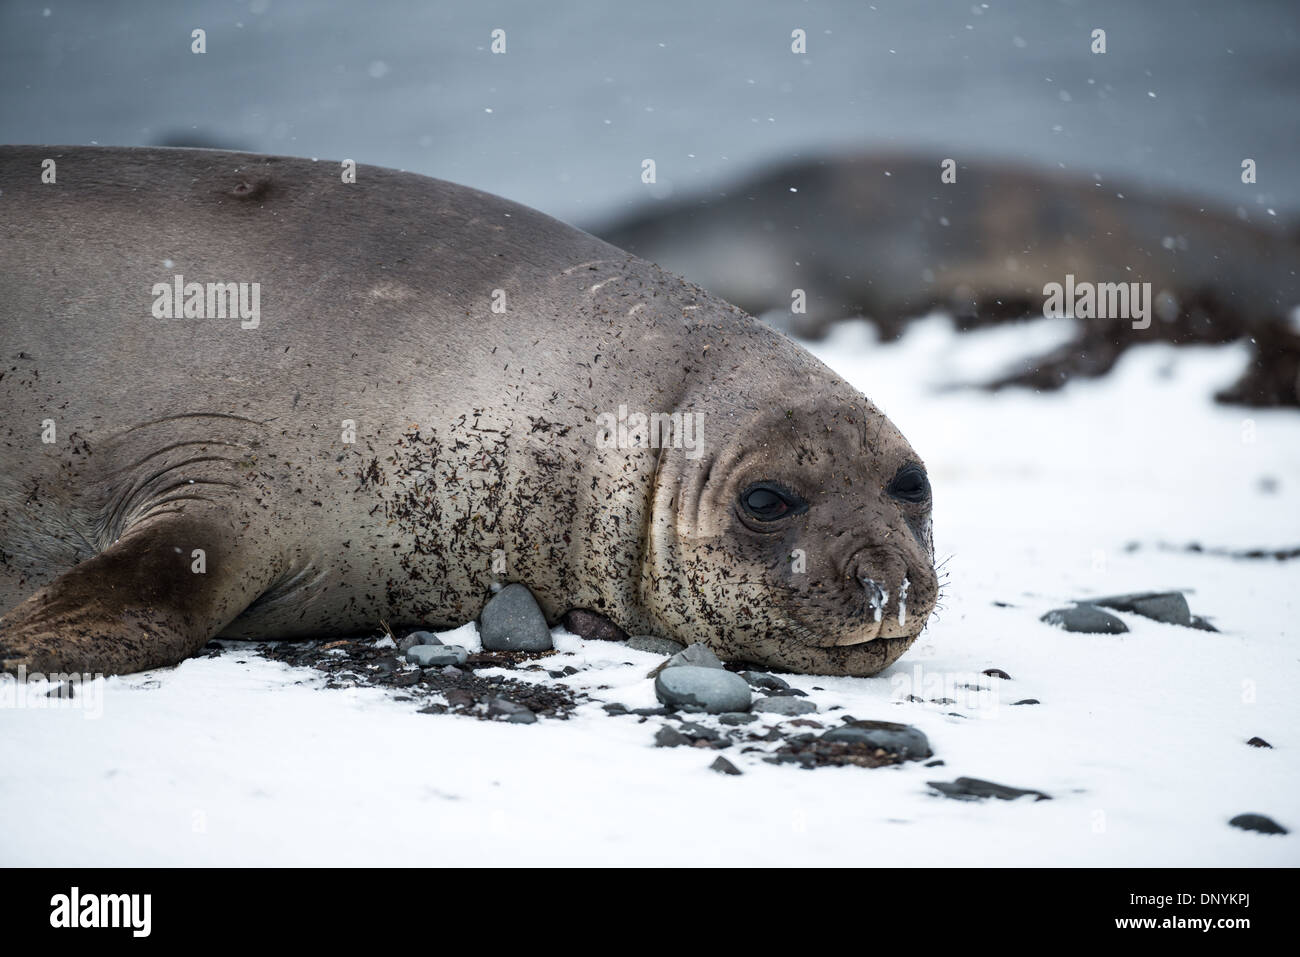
(475, 431)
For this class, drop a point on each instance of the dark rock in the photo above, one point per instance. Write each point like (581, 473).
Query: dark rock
(667, 737)
(787, 693)
(1026, 701)
(705, 689)
(511, 621)
(1169, 607)
(417, 638)
(786, 706)
(614, 708)
(973, 789)
(1085, 619)
(692, 656)
(510, 710)
(900, 739)
(723, 766)
(1200, 624)
(591, 624)
(761, 679)
(1258, 742)
(654, 645)
(430, 656)
(1258, 822)
(734, 718)
(459, 698)
(938, 762)
(651, 712)
(997, 673)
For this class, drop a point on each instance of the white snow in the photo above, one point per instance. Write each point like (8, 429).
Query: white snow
(1139, 738)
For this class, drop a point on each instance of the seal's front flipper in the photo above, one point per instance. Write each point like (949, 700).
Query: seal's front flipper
(152, 599)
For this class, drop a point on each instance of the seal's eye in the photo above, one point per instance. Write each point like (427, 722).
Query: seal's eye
(910, 484)
(767, 501)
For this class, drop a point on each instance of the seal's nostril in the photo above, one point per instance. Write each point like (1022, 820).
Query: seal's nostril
(876, 596)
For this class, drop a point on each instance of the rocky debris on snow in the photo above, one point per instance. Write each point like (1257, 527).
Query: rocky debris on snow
(997, 673)
(901, 739)
(697, 655)
(654, 645)
(1169, 607)
(512, 621)
(736, 718)
(512, 711)
(417, 638)
(723, 766)
(1085, 619)
(788, 706)
(1026, 701)
(974, 789)
(430, 656)
(1258, 742)
(692, 687)
(1259, 823)
(765, 682)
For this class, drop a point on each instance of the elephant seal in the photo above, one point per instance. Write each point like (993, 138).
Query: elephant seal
(244, 398)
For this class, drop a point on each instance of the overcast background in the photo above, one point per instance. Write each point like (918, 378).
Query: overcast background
(709, 90)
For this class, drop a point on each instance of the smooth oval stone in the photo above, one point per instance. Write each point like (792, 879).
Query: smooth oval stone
(511, 621)
(784, 705)
(418, 638)
(429, 656)
(1169, 607)
(704, 689)
(655, 645)
(901, 739)
(1085, 619)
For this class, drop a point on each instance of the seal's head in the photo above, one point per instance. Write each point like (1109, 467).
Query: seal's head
(800, 540)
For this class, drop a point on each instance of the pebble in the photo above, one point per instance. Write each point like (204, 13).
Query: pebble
(654, 645)
(701, 688)
(692, 656)
(428, 656)
(1169, 607)
(417, 638)
(973, 789)
(736, 717)
(512, 711)
(1026, 701)
(1258, 742)
(786, 706)
(901, 739)
(1258, 822)
(667, 737)
(760, 679)
(1085, 619)
(723, 766)
(997, 673)
(511, 621)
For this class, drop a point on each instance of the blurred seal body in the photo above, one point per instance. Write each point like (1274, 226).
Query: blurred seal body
(439, 390)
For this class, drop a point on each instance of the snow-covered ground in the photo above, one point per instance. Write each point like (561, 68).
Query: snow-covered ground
(1139, 738)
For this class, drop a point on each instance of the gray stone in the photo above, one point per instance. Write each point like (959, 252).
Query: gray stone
(655, 645)
(785, 706)
(973, 789)
(417, 638)
(900, 739)
(430, 656)
(1085, 619)
(692, 656)
(695, 688)
(1169, 607)
(512, 711)
(1258, 822)
(736, 717)
(667, 737)
(760, 679)
(511, 621)
(723, 766)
